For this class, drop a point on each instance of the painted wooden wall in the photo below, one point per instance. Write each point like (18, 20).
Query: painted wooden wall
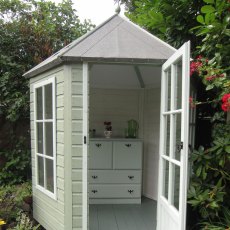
(151, 142)
(47, 211)
(117, 106)
(76, 118)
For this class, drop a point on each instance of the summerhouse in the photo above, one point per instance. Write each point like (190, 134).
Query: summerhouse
(110, 132)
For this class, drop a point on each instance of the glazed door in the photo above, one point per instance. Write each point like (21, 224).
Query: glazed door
(174, 135)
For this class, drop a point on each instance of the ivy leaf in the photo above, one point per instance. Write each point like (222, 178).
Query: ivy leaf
(207, 9)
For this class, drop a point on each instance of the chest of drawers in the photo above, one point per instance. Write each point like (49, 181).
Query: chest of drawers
(115, 171)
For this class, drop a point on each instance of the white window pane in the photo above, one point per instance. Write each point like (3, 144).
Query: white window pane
(40, 171)
(40, 137)
(48, 102)
(178, 82)
(49, 138)
(176, 185)
(49, 175)
(177, 136)
(168, 104)
(39, 103)
(165, 178)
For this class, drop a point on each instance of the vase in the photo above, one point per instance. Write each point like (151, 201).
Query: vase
(107, 133)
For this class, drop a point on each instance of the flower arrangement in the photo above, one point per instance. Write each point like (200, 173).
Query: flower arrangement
(108, 125)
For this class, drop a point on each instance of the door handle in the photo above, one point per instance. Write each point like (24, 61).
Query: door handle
(94, 177)
(180, 147)
(128, 145)
(130, 191)
(98, 145)
(130, 177)
(94, 191)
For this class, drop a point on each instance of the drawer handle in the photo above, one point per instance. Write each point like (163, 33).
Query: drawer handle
(94, 191)
(130, 191)
(130, 177)
(94, 177)
(98, 145)
(128, 145)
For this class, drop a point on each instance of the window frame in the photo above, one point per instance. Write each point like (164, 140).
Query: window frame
(43, 83)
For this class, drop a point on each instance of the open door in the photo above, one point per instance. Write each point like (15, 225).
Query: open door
(174, 134)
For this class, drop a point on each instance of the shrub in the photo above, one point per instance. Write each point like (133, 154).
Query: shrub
(16, 165)
(12, 200)
(24, 222)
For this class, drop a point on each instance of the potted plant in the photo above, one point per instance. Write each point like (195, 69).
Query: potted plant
(108, 129)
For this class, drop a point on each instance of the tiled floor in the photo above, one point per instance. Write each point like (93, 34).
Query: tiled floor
(123, 216)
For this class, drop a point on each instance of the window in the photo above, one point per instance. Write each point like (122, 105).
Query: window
(45, 136)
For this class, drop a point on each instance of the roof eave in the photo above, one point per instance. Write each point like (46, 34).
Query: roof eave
(43, 68)
(113, 60)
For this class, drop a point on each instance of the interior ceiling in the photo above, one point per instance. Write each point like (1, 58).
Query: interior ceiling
(114, 76)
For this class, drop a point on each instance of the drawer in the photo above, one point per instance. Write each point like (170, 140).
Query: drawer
(100, 155)
(115, 176)
(114, 191)
(127, 155)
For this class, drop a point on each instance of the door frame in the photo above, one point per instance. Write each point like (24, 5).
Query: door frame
(85, 138)
(85, 144)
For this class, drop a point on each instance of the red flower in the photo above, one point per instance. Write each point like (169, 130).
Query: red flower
(194, 67)
(226, 102)
(226, 97)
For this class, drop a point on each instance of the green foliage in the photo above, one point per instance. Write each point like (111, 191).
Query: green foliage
(24, 223)
(12, 199)
(209, 187)
(214, 28)
(170, 20)
(31, 30)
(16, 165)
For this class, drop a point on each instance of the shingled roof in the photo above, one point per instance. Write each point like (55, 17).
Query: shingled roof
(115, 40)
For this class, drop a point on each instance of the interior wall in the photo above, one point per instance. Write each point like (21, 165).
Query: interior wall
(117, 106)
(151, 142)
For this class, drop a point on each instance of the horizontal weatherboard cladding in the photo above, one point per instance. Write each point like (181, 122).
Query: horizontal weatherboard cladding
(76, 137)
(49, 212)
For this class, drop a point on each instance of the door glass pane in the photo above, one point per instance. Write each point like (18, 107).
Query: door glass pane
(49, 175)
(175, 185)
(167, 135)
(49, 138)
(178, 83)
(168, 90)
(165, 178)
(40, 171)
(39, 103)
(40, 137)
(48, 102)
(177, 136)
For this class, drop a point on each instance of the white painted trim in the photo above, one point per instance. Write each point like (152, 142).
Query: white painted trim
(179, 216)
(43, 83)
(85, 146)
(185, 133)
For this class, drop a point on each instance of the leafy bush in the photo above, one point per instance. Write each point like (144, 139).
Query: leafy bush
(24, 223)
(17, 164)
(12, 200)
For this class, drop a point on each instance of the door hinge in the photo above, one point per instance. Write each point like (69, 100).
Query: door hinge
(84, 139)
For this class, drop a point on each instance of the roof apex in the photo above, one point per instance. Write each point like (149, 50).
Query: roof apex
(115, 39)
